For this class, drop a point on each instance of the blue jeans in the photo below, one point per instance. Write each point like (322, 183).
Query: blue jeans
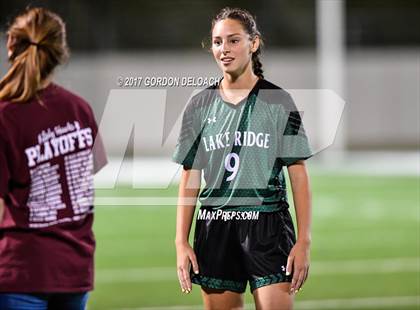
(53, 301)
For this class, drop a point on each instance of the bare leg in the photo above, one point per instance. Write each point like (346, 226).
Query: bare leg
(273, 297)
(222, 300)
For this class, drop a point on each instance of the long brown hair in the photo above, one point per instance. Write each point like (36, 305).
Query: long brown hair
(248, 22)
(38, 45)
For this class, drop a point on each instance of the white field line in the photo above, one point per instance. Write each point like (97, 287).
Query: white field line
(137, 201)
(347, 303)
(332, 206)
(369, 266)
(161, 171)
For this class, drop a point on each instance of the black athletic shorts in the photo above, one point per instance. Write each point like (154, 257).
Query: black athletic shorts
(233, 249)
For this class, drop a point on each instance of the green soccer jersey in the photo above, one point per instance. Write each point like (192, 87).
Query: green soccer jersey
(242, 148)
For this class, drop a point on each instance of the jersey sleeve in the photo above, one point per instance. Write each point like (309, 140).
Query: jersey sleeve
(188, 151)
(294, 144)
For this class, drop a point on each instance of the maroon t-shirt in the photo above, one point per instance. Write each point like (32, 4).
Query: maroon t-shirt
(47, 162)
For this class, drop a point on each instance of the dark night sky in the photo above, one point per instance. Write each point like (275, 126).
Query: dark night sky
(131, 24)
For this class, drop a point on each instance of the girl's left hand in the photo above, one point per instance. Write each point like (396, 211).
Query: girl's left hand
(298, 260)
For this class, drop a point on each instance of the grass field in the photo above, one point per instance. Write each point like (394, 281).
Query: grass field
(365, 249)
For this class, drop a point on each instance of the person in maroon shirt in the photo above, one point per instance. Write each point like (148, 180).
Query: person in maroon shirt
(48, 155)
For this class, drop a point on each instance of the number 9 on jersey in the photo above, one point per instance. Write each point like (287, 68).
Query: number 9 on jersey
(232, 157)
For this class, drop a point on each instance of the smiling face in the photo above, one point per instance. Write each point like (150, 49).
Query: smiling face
(232, 47)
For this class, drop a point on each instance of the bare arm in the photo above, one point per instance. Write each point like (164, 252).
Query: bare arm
(300, 255)
(1, 209)
(187, 200)
(189, 188)
(302, 198)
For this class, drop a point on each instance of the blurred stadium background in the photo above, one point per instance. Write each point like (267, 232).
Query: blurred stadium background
(366, 187)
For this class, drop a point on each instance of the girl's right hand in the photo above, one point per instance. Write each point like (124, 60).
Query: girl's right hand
(185, 257)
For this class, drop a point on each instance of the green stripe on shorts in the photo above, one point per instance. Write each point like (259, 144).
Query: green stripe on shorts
(219, 284)
(267, 280)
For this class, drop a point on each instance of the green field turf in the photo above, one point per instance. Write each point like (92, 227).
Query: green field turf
(365, 244)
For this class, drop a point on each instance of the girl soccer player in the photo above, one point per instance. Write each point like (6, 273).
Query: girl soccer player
(46, 173)
(241, 134)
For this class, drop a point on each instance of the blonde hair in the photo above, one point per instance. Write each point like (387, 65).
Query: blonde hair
(38, 45)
